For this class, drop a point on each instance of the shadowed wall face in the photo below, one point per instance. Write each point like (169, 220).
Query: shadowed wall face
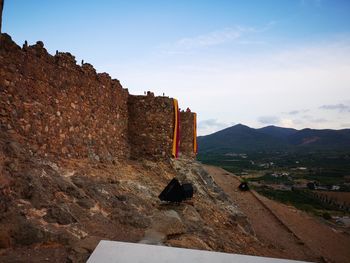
(187, 134)
(151, 126)
(61, 108)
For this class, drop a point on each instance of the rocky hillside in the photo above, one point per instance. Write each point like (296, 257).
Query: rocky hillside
(241, 138)
(59, 209)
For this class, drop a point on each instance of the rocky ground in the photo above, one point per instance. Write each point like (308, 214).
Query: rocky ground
(287, 232)
(58, 209)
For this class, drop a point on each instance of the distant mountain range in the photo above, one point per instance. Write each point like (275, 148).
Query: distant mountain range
(241, 138)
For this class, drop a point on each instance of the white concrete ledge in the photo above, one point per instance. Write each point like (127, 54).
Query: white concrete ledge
(122, 252)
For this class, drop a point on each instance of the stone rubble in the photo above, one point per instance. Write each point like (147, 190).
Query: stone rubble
(71, 204)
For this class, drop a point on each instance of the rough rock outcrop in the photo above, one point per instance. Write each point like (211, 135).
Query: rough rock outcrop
(62, 208)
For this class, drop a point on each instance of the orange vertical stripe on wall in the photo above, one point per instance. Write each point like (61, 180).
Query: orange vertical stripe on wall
(176, 121)
(195, 148)
(178, 138)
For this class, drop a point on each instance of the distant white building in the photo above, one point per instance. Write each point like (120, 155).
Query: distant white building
(335, 187)
(302, 168)
(283, 174)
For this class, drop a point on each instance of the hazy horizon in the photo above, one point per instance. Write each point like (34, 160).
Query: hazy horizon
(254, 62)
(260, 127)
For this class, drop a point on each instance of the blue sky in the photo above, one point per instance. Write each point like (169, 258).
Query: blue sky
(259, 63)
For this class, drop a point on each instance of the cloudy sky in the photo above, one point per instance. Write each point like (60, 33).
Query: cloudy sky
(284, 63)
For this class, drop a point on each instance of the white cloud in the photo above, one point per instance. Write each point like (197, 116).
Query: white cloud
(346, 125)
(211, 125)
(269, 119)
(293, 112)
(287, 123)
(214, 38)
(320, 120)
(240, 88)
(339, 107)
(296, 112)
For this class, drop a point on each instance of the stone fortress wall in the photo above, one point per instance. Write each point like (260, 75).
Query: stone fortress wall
(151, 126)
(187, 130)
(63, 109)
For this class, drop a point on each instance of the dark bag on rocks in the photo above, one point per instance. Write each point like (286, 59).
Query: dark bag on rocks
(175, 192)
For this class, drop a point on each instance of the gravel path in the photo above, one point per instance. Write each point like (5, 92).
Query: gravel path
(278, 238)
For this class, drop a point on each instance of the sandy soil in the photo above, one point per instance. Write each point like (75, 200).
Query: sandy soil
(288, 232)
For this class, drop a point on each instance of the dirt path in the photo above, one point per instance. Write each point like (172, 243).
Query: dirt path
(332, 244)
(279, 238)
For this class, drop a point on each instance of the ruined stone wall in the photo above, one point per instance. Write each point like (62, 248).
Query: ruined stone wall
(151, 126)
(186, 134)
(61, 108)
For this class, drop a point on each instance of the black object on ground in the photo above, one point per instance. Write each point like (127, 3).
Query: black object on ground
(175, 192)
(243, 186)
(187, 191)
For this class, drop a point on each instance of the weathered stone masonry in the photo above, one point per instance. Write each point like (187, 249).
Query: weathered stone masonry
(62, 109)
(151, 126)
(187, 134)
(59, 107)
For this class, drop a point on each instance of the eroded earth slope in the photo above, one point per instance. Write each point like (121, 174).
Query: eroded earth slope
(58, 209)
